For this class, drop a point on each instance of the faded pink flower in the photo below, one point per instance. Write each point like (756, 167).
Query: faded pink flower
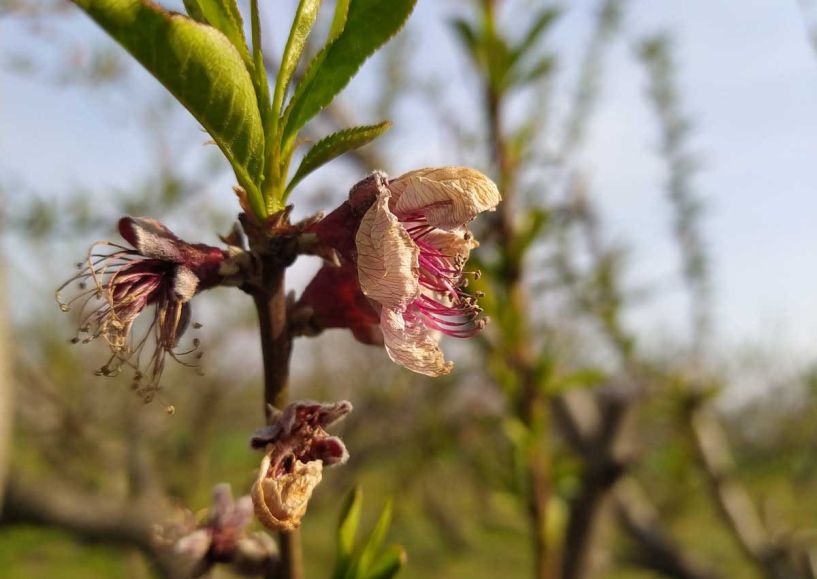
(220, 537)
(296, 449)
(161, 271)
(217, 538)
(412, 246)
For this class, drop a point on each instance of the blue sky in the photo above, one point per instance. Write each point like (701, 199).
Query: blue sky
(748, 78)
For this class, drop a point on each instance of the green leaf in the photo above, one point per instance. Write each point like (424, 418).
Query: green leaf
(389, 564)
(301, 26)
(542, 23)
(194, 10)
(468, 36)
(369, 24)
(202, 69)
(347, 530)
(338, 20)
(260, 82)
(334, 146)
(535, 72)
(375, 541)
(222, 15)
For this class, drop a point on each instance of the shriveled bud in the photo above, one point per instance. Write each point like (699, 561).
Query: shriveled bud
(296, 449)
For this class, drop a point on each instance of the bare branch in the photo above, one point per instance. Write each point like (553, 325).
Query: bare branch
(776, 559)
(91, 518)
(656, 550)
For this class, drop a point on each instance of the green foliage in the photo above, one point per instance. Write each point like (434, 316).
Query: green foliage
(365, 559)
(504, 64)
(260, 79)
(334, 146)
(339, 19)
(304, 20)
(369, 24)
(223, 15)
(347, 527)
(202, 69)
(204, 61)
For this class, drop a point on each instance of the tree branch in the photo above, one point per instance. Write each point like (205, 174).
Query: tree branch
(91, 518)
(777, 560)
(656, 550)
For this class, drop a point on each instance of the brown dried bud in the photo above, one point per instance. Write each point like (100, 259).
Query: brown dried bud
(296, 449)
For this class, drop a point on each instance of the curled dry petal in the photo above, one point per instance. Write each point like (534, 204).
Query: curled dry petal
(410, 343)
(280, 500)
(448, 196)
(387, 258)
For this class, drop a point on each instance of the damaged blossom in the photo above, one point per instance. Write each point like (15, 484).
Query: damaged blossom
(409, 251)
(221, 537)
(296, 447)
(158, 270)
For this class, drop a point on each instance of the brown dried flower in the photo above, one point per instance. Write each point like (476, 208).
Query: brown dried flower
(296, 449)
(160, 270)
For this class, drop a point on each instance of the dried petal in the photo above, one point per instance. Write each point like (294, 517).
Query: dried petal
(151, 238)
(411, 344)
(387, 265)
(280, 501)
(195, 545)
(448, 196)
(185, 283)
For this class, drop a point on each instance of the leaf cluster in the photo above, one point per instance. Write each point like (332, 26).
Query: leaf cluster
(203, 58)
(365, 559)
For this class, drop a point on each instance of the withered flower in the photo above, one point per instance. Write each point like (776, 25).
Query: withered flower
(297, 447)
(218, 536)
(221, 537)
(160, 270)
(412, 246)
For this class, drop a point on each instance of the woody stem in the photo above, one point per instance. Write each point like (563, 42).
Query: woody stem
(276, 350)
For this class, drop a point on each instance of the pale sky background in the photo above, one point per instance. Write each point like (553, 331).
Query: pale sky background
(748, 78)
